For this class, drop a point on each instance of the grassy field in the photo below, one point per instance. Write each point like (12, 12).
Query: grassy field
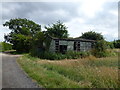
(90, 72)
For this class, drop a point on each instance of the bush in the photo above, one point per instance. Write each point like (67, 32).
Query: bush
(72, 55)
(100, 49)
(100, 54)
(84, 54)
(5, 46)
(110, 45)
(116, 43)
(75, 55)
(52, 56)
(59, 56)
(112, 52)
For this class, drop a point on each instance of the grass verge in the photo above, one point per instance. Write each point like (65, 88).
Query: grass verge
(78, 73)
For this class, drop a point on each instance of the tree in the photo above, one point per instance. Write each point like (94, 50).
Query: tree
(58, 30)
(22, 33)
(110, 45)
(38, 46)
(116, 43)
(92, 35)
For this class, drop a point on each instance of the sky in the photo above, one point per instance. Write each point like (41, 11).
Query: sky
(79, 16)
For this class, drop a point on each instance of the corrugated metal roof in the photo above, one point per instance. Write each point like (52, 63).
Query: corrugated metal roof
(72, 39)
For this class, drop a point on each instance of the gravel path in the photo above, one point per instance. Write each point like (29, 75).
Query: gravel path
(12, 75)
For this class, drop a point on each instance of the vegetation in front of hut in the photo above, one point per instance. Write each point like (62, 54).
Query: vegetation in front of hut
(89, 72)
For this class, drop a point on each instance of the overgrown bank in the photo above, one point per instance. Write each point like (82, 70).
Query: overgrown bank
(89, 72)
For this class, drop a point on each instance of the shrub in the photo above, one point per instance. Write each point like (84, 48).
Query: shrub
(116, 43)
(36, 52)
(84, 54)
(111, 52)
(51, 56)
(101, 54)
(100, 49)
(59, 56)
(73, 55)
(5, 46)
(110, 45)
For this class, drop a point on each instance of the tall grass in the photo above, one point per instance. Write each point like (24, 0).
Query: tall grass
(89, 72)
(74, 55)
(60, 56)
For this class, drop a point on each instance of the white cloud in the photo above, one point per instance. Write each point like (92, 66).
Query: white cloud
(114, 12)
(76, 27)
(115, 35)
(104, 32)
(79, 17)
(90, 7)
(61, 12)
(4, 30)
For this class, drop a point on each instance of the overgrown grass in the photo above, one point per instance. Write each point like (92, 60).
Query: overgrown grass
(59, 56)
(89, 72)
(73, 54)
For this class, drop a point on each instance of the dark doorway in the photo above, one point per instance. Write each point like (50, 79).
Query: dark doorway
(63, 49)
(76, 46)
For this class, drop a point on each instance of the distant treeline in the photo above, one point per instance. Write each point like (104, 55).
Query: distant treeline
(113, 44)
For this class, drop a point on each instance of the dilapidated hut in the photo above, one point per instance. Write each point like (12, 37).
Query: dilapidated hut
(70, 44)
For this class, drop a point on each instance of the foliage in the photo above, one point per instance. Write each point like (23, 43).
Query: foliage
(38, 44)
(1, 46)
(22, 32)
(76, 55)
(80, 73)
(110, 45)
(112, 52)
(58, 30)
(5, 46)
(47, 42)
(21, 43)
(116, 43)
(53, 56)
(100, 48)
(59, 56)
(26, 36)
(23, 26)
(92, 35)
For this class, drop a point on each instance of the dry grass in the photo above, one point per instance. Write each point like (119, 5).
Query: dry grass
(89, 72)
